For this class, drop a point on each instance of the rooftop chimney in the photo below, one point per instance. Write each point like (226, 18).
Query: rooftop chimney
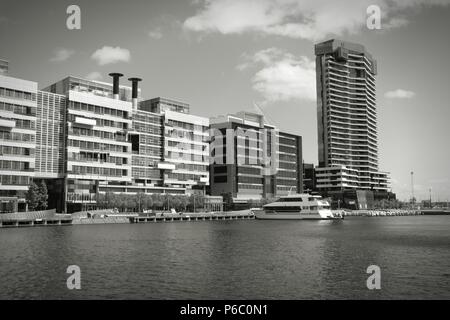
(116, 77)
(134, 91)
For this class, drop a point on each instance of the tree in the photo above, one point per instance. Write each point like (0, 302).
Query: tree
(147, 202)
(32, 196)
(184, 201)
(140, 200)
(157, 201)
(43, 196)
(227, 201)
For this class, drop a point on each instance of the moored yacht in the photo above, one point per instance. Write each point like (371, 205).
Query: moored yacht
(297, 207)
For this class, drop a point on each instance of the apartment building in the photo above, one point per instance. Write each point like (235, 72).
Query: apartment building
(347, 120)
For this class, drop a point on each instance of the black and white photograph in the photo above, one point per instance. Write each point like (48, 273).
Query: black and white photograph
(227, 154)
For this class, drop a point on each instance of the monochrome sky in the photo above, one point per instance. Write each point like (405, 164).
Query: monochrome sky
(223, 55)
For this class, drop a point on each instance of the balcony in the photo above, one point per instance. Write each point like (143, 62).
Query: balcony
(9, 124)
(85, 121)
(166, 166)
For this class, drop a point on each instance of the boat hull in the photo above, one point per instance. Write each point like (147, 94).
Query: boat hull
(262, 215)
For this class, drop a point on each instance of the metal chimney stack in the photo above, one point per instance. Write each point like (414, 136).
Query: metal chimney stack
(134, 91)
(116, 77)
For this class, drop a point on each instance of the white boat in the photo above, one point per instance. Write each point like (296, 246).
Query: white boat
(297, 207)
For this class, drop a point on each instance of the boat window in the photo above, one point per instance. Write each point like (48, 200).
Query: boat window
(289, 200)
(286, 209)
(311, 198)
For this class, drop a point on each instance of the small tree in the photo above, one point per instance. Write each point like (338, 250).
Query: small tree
(43, 196)
(32, 196)
(157, 201)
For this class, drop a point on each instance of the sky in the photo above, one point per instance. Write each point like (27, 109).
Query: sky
(222, 56)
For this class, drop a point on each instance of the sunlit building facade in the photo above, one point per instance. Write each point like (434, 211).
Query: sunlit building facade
(18, 104)
(347, 119)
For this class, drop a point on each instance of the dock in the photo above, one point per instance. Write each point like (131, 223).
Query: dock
(15, 223)
(219, 216)
(34, 218)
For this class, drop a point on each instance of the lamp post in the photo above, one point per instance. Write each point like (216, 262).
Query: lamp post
(430, 197)
(168, 202)
(412, 188)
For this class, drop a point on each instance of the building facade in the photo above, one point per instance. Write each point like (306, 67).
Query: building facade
(170, 147)
(347, 120)
(252, 160)
(18, 104)
(97, 150)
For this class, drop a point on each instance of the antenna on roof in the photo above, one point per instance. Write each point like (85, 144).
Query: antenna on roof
(258, 108)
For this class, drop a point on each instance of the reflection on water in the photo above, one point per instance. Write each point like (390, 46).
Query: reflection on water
(231, 259)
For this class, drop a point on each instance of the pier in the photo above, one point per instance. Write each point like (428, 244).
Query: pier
(220, 216)
(15, 223)
(34, 218)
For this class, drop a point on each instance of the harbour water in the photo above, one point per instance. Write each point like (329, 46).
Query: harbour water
(239, 259)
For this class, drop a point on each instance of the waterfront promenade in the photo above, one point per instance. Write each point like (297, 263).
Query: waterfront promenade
(96, 217)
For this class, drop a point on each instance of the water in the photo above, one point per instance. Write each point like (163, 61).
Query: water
(246, 259)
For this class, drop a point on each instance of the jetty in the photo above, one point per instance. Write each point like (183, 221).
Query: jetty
(213, 216)
(34, 218)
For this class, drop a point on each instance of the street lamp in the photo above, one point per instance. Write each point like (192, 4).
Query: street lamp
(430, 197)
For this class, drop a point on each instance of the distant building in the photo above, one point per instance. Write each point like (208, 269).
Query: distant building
(347, 124)
(309, 178)
(252, 160)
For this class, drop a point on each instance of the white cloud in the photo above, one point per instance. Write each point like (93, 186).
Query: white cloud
(61, 54)
(399, 94)
(155, 34)
(312, 20)
(108, 55)
(282, 76)
(95, 75)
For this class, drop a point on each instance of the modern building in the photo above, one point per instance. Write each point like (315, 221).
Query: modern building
(252, 160)
(170, 147)
(17, 141)
(97, 150)
(347, 123)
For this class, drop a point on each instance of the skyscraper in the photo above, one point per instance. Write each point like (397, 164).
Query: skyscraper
(347, 121)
